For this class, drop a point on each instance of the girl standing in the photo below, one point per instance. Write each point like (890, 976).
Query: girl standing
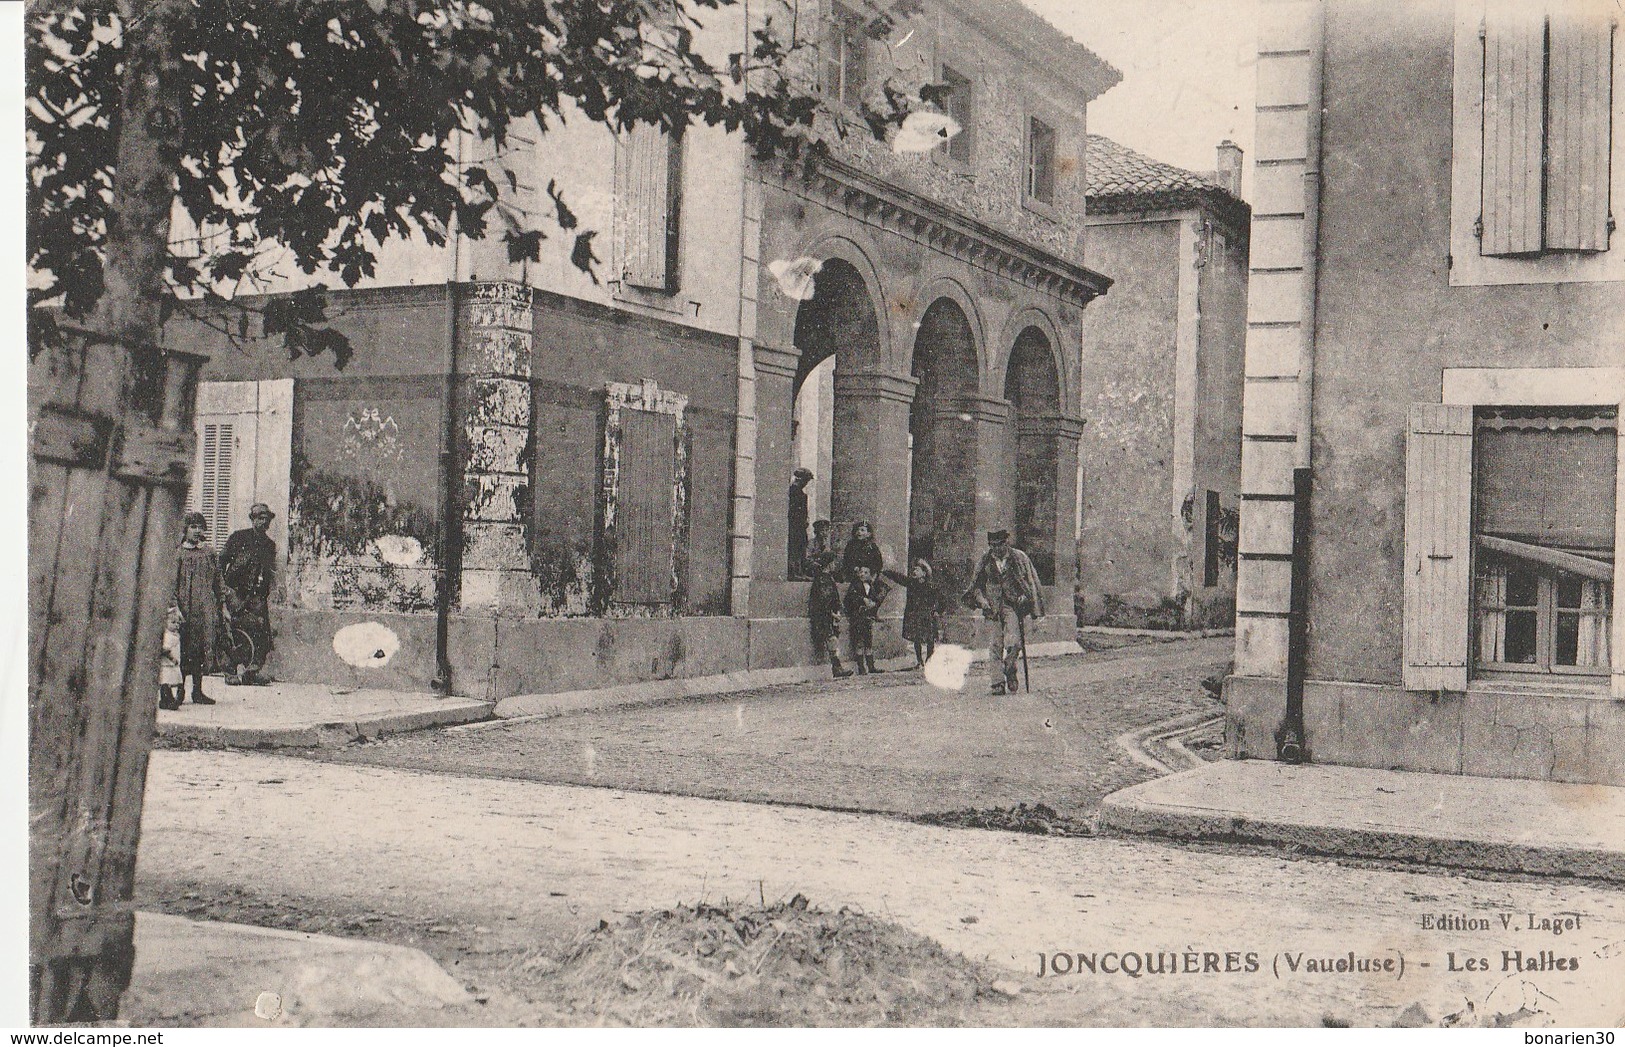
(200, 597)
(922, 612)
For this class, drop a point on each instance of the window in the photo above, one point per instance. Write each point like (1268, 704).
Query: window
(959, 105)
(643, 513)
(648, 197)
(1535, 168)
(846, 58)
(1510, 540)
(1544, 537)
(1040, 161)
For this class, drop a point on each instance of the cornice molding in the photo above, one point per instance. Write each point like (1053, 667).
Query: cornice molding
(908, 214)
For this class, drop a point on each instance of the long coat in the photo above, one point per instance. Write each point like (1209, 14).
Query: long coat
(861, 552)
(199, 594)
(923, 609)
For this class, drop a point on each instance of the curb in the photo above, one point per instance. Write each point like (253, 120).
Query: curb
(1124, 813)
(527, 707)
(328, 735)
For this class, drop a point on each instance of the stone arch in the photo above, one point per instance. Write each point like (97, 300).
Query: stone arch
(833, 247)
(1020, 321)
(943, 428)
(943, 288)
(1033, 431)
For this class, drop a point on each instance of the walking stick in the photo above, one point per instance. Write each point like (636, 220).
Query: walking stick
(1021, 633)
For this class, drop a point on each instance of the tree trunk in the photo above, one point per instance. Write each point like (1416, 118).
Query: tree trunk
(111, 421)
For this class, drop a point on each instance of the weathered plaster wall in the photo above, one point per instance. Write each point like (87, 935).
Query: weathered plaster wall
(1127, 447)
(1222, 301)
(1389, 321)
(579, 350)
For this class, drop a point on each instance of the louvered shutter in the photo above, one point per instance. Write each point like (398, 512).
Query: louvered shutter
(646, 184)
(1514, 119)
(1579, 104)
(644, 507)
(1438, 511)
(211, 489)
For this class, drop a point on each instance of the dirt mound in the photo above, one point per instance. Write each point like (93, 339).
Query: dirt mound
(786, 964)
(1039, 819)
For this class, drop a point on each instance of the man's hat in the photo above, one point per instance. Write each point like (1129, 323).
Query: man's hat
(260, 509)
(1001, 535)
(802, 474)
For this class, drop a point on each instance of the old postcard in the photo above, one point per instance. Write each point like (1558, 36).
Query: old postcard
(841, 513)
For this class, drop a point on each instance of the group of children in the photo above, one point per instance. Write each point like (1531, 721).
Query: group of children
(861, 566)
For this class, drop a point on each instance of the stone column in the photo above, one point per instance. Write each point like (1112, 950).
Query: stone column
(1056, 444)
(993, 470)
(493, 362)
(775, 404)
(869, 469)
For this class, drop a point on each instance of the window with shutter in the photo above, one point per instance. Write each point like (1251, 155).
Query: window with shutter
(1040, 161)
(846, 58)
(648, 183)
(1544, 492)
(211, 489)
(1438, 546)
(960, 105)
(643, 551)
(1547, 127)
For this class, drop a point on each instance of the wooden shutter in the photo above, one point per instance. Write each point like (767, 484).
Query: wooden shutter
(1579, 105)
(646, 190)
(1514, 119)
(1438, 509)
(644, 506)
(211, 489)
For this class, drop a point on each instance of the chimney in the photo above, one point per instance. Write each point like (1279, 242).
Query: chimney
(1229, 172)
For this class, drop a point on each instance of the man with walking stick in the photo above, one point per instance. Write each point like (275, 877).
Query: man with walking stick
(1006, 590)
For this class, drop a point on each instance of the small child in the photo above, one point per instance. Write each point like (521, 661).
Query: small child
(824, 611)
(922, 613)
(862, 604)
(169, 668)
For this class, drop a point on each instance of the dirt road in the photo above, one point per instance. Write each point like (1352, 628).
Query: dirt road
(493, 875)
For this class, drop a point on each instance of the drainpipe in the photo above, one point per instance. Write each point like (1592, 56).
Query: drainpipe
(1289, 739)
(450, 512)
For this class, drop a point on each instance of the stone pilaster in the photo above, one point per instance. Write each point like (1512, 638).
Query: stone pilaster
(1277, 318)
(870, 456)
(494, 354)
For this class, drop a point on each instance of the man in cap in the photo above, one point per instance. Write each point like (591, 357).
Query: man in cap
(798, 523)
(248, 566)
(1006, 589)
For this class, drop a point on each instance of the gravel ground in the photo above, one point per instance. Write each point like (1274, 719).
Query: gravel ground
(888, 743)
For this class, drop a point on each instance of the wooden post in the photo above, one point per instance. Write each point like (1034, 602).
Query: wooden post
(111, 421)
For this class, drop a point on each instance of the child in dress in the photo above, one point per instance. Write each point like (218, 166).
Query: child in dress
(169, 669)
(922, 613)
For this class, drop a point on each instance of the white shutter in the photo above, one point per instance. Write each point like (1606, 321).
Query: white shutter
(1579, 96)
(1514, 122)
(211, 489)
(646, 182)
(1438, 546)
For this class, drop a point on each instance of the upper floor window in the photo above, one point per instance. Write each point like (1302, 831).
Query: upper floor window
(1040, 161)
(1534, 161)
(846, 58)
(648, 198)
(959, 105)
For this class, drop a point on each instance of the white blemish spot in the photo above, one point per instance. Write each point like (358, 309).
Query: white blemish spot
(366, 645)
(589, 756)
(268, 1006)
(923, 132)
(398, 550)
(796, 278)
(948, 667)
(739, 717)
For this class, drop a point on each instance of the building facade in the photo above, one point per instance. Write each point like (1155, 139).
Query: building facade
(1162, 367)
(540, 480)
(1437, 333)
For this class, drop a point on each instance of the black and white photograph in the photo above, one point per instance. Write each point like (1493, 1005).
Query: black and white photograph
(837, 514)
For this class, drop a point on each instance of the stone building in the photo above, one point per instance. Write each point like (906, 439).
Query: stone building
(537, 481)
(1436, 332)
(1162, 391)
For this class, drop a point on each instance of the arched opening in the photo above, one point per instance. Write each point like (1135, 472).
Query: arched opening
(1034, 391)
(942, 427)
(837, 332)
